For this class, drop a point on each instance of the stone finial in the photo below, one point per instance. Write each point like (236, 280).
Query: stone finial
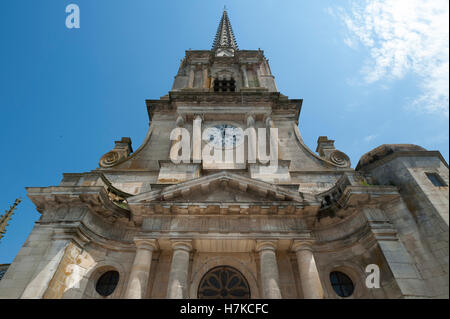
(324, 146)
(124, 145)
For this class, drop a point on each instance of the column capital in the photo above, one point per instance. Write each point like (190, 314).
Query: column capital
(266, 245)
(146, 243)
(250, 119)
(182, 244)
(302, 244)
(199, 116)
(268, 121)
(180, 120)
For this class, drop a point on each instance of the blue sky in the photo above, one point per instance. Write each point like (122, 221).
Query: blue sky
(370, 72)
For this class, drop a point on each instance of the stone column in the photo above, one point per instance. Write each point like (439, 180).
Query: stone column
(273, 140)
(309, 275)
(270, 278)
(197, 140)
(140, 272)
(252, 140)
(48, 266)
(205, 76)
(269, 122)
(244, 75)
(258, 75)
(191, 76)
(177, 287)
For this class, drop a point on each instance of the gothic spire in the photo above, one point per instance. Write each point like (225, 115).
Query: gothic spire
(224, 36)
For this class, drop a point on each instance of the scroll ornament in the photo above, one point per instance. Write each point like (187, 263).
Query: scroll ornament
(110, 159)
(339, 158)
(121, 151)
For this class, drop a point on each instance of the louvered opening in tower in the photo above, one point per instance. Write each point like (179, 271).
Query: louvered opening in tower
(224, 85)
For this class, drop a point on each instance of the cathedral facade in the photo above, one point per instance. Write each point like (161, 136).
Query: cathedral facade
(166, 222)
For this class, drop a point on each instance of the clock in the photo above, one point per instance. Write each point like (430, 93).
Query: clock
(225, 136)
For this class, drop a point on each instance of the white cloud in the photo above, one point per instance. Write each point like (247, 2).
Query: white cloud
(369, 138)
(350, 42)
(404, 36)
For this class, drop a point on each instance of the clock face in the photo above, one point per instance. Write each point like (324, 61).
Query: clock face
(225, 136)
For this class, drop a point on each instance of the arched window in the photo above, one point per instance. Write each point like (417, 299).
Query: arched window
(107, 283)
(223, 282)
(342, 284)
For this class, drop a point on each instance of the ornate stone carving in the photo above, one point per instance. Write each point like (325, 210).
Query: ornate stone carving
(327, 151)
(110, 159)
(340, 159)
(121, 151)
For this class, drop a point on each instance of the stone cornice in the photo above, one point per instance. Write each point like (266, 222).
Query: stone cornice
(276, 100)
(240, 56)
(94, 197)
(352, 183)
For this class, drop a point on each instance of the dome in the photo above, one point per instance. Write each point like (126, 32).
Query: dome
(384, 150)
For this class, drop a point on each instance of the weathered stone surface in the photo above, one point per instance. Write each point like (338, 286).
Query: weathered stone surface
(163, 226)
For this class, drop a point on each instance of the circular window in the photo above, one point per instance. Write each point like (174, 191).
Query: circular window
(107, 283)
(223, 282)
(342, 284)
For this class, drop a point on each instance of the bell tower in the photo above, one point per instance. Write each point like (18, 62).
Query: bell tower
(224, 68)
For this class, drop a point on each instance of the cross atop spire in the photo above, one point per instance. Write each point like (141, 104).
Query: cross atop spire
(224, 36)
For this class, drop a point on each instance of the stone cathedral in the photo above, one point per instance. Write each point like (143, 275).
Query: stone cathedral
(144, 226)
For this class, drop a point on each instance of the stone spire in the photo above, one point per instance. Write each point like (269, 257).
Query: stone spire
(224, 36)
(4, 219)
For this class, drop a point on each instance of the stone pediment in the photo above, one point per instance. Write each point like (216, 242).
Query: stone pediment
(223, 193)
(224, 187)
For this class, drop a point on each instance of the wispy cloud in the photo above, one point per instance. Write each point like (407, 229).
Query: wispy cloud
(404, 36)
(369, 138)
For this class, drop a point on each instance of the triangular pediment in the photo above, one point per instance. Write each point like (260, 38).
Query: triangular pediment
(223, 194)
(224, 187)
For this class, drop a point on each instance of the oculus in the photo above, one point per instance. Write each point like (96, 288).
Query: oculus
(342, 284)
(107, 283)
